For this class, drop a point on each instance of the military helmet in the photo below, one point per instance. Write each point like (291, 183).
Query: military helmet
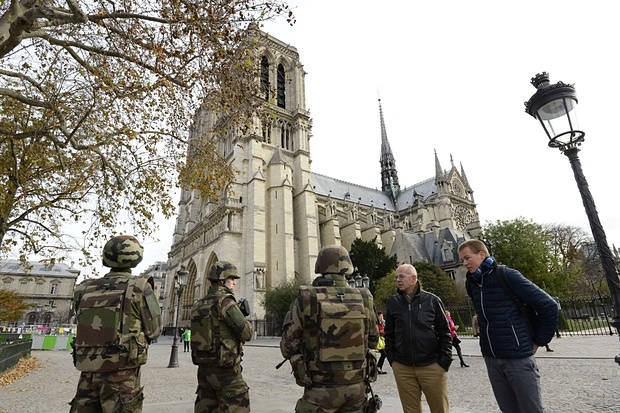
(333, 259)
(123, 251)
(222, 270)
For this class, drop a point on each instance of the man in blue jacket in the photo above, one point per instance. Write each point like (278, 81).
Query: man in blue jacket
(506, 340)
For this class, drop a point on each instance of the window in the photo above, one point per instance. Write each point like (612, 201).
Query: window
(281, 90)
(264, 77)
(54, 290)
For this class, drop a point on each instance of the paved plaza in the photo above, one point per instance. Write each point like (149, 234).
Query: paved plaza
(579, 376)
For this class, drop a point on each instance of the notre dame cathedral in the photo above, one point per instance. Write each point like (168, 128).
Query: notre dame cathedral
(279, 212)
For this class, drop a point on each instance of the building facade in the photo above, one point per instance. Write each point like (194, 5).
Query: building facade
(279, 213)
(48, 288)
(157, 270)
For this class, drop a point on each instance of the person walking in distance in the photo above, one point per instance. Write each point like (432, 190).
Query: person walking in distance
(118, 316)
(475, 326)
(382, 355)
(456, 341)
(187, 336)
(506, 340)
(327, 334)
(418, 344)
(219, 329)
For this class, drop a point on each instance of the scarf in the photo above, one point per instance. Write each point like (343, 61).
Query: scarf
(487, 265)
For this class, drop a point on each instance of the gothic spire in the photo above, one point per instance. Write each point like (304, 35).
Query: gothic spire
(439, 175)
(389, 177)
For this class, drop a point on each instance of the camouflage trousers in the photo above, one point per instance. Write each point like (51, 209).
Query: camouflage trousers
(111, 392)
(350, 398)
(221, 390)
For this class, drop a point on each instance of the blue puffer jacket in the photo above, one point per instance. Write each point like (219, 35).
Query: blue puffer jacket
(504, 332)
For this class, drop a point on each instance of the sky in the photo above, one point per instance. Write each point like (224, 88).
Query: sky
(453, 77)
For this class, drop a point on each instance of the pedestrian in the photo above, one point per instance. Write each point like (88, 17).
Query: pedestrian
(506, 340)
(187, 336)
(475, 326)
(118, 316)
(321, 337)
(219, 329)
(456, 341)
(381, 349)
(418, 344)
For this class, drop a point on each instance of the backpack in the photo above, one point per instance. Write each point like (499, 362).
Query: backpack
(211, 340)
(103, 341)
(528, 312)
(335, 333)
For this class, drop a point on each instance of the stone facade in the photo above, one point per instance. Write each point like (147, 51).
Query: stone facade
(279, 213)
(157, 270)
(48, 288)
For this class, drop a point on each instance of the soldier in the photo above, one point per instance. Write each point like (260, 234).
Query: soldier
(219, 329)
(117, 318)
(327, 335)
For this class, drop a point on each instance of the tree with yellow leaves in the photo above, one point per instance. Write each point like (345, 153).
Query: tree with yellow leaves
(96, 99)
(12, 306)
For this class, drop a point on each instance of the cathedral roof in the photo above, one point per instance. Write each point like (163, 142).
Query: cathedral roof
(337, 189)
(423, 190)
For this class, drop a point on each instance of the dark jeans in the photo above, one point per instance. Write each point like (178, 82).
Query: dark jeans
(381, 358)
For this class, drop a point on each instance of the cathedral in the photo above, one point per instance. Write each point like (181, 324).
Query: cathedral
(279, 213)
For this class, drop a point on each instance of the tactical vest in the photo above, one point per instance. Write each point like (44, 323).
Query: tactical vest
(335, 334)
(109, 337)
(212, 340)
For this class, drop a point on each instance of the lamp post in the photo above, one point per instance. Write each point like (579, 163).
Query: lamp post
(555, 108)
(181, 280)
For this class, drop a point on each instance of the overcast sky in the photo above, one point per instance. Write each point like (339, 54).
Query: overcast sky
(453, 77)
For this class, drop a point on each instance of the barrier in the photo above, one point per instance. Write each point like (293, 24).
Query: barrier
(62, 342)
(11, 353)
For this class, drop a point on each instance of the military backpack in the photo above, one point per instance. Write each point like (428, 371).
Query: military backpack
(107, 338)
(212, 339)
(335, 334)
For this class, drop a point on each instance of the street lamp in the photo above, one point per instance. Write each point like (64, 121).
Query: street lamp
(555, 107)
(181, 280)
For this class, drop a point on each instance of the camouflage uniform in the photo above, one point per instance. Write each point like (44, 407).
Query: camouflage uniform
(219, 329)
(117, 317)
(327, 336)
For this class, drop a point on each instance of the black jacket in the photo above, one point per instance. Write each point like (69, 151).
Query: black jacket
(417, 333)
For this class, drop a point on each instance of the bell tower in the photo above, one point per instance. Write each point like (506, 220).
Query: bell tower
(267, 224)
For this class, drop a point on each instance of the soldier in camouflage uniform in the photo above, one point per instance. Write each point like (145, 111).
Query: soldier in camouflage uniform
(219, 329)
(327, 335)
(117, 317)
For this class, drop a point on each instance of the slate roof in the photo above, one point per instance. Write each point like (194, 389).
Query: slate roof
(14, 267)
(337, 189)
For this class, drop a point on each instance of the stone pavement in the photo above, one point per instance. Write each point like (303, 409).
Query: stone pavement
(579, 376)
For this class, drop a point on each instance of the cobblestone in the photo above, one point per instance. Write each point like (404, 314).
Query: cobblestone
(579, 376)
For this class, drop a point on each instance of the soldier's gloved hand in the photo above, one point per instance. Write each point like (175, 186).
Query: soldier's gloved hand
(244, 306)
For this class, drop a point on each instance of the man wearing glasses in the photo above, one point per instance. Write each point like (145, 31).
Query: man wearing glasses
(418, 344)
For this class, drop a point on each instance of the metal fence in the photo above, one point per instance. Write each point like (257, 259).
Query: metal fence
(581, 316)
(267, 328)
